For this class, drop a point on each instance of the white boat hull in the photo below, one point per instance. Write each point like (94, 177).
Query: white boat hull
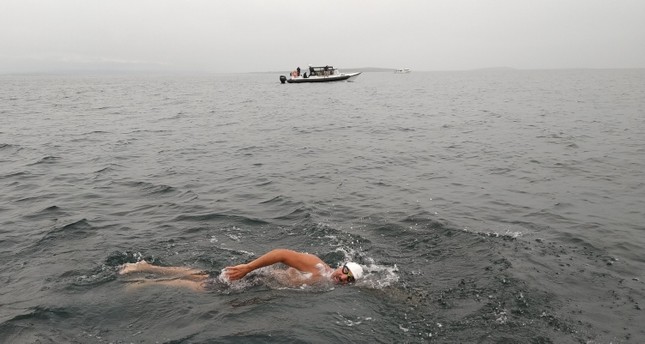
(328, 78)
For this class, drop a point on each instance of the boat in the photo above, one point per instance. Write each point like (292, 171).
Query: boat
(318, 74)
(402, 71)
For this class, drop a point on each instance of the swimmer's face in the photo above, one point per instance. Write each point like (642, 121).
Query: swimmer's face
(342, 275)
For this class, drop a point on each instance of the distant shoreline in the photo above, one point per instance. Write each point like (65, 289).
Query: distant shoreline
(113, 72)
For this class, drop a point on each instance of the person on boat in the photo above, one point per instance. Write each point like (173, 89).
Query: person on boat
(311, 70)
(298, 70)
(303, 269)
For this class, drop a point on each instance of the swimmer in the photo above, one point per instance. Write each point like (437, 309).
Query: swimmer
(303, 268)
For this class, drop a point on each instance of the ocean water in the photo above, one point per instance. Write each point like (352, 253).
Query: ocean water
(486, 206)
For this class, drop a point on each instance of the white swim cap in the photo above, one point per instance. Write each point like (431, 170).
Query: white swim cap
(357, 270)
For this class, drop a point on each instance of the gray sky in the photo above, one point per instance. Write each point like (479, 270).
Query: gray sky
(277, 35)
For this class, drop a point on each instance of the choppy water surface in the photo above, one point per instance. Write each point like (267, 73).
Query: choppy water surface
(496, 206)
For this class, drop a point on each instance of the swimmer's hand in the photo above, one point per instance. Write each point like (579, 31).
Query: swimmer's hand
(236, 272)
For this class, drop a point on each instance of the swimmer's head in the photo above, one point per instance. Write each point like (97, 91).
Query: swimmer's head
(349, 272)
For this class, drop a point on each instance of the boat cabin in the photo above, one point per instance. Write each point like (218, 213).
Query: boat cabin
(322, 71)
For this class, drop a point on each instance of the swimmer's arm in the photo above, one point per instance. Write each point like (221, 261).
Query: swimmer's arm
(297, 260)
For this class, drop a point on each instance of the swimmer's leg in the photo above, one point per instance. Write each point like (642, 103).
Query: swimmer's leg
(144, 266)
(177, 283)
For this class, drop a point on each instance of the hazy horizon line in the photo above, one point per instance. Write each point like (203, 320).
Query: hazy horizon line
(116, 71)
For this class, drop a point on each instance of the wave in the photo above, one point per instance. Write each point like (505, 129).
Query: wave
(30, 326)
(110, 168)
(152, 189)
(50, 159)
(157, 131)
(13, 148)
(77, 230)
(91, 136)
(219, 217)
(297, 214)
(49, 212)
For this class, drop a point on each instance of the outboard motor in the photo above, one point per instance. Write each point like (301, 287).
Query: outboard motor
(283, 79)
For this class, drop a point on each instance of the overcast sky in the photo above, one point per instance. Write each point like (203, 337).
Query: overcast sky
(277, 35)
